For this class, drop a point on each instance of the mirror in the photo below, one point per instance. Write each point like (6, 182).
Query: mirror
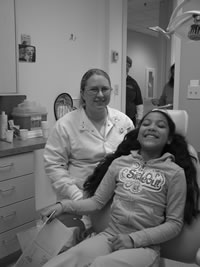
(62, 105)
(8, 72)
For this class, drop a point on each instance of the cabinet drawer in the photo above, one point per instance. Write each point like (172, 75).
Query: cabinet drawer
(17, 189)
(17, 214)
(14, 166)
(9, 242)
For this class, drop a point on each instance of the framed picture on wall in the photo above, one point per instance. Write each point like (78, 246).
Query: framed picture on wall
(27, 53)
(150, 82)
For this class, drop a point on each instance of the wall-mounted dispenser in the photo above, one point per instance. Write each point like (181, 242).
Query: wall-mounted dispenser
(115, 56)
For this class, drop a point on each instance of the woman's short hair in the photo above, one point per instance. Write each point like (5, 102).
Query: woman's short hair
(86, 77)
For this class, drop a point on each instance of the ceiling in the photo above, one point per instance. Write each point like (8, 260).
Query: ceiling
(142, 14)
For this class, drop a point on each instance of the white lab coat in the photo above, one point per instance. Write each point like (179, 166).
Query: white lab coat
(75, 147)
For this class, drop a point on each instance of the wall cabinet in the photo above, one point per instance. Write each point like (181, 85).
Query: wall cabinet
(17, 199)
(8, 73)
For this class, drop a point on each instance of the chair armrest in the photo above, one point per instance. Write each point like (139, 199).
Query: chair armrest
(185, 247)
(198, 257)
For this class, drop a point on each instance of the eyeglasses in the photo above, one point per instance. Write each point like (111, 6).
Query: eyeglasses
(96, 90)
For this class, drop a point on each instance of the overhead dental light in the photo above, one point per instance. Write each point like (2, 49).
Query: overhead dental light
(186, 25)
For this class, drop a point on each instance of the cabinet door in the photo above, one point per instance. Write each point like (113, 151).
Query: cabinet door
(15, 190)
(9, 241)
(17, 214)
(8, 71)
(15, 166)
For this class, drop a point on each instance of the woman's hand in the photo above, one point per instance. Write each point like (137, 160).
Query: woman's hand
(49, 210)
(121, 241)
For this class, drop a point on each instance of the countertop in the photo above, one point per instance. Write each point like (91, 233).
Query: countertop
(19, 146)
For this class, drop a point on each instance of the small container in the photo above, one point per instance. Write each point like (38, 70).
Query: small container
(45, 133)
(45, 128)
(3, 125)
(44, 124)
(9, 136)
(23, 134)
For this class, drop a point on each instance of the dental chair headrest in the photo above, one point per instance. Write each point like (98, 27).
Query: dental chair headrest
(180, 118)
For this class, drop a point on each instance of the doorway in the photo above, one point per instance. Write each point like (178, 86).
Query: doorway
(148, 50)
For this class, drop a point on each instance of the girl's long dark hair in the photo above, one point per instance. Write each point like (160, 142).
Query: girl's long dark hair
(178, 147)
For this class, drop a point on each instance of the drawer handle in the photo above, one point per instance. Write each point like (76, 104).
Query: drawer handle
(7, 190)
(8, 216)
(7, 165)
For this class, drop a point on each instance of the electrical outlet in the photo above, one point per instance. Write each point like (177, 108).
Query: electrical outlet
(193, 92)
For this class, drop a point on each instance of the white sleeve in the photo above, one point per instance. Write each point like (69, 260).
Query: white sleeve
(56, 159)
(140, 110)
(102, 195)
(74, 192)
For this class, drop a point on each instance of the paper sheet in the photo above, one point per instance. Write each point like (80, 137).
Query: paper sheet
(45, 243)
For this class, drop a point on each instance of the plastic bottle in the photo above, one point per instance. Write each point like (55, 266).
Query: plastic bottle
(3, 124)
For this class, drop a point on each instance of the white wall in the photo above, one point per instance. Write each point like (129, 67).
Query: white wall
(60, 62)
(7, 44)
(115, 44)
(189, 62)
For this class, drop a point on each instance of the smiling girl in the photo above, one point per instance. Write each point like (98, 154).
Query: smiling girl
(153, 184)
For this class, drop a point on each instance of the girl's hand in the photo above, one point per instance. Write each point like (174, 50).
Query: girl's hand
(121, 241)
(48, 211)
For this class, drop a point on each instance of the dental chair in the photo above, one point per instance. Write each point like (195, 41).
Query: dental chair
(186, 246)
